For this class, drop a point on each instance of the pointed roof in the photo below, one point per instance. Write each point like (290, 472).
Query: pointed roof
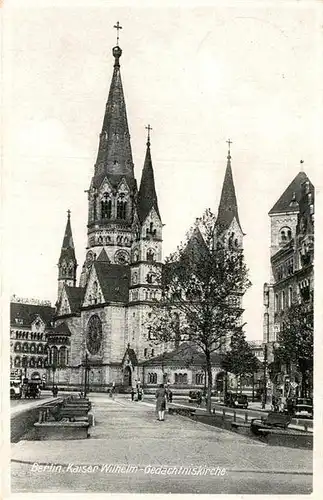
(196, 246)
(228, 207)
(61, 329)
(75, 295)
(288, 202)
(103, 256)
(27, 313)
(68, 250)
(114, 154)
(147, 197)
(114, 281)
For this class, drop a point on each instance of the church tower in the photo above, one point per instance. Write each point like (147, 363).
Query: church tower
(147, 228)
(228, 227)
(113, 189)
(67, 263)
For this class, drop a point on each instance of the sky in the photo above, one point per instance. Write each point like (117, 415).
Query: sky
(198, 76)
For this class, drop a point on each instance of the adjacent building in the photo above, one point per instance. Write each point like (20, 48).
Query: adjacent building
(30, 323)
(291, 259)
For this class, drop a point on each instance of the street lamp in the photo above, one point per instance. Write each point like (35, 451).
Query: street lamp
(54, 370)
(266, 304)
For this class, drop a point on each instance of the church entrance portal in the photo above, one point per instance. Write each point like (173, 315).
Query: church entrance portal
(127, 377)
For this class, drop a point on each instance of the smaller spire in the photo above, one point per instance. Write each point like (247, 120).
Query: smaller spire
(68, 238)
(147, 197)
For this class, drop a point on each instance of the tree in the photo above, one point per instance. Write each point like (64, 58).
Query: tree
(239, 360)
(201, 286)
(296, 341)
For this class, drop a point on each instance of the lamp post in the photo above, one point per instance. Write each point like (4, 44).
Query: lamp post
(54, 370)
(86, 373)
(266, 304)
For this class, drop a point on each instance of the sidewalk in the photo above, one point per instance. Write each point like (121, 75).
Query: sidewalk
(128, 433)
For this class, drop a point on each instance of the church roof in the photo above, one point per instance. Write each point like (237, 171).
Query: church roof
(228, 207)
(288, 202)
(196, 245)
(75, 296)
(132, 356)
(68, 250)
(114, 281)
(186, 355)
(23, 315)
(61, 329)
(114, 154)
(147, 197)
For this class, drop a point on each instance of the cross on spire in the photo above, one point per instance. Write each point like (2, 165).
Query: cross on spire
(301, 162)
(229, 142)
(149, 129)
(117, 27)
(68, 213)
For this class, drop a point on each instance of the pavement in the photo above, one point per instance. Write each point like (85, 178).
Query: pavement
(130, 451)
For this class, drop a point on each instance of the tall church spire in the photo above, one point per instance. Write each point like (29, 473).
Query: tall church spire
(228, 207)
(147, 197)
(67, 263)
(114, 154)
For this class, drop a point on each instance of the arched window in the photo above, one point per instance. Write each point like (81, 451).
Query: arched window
(54, 356)
(290, 296)
(95, 292)
(40, 349)
(135, 255)
(62, 356)
(150, 255)
(145, 352)
(283, 301)
(153, 352)
(25, 347)
(106, 207)
(17, 347)
(32, 362)
(24, 362)
(121, 209)
(17, 361)
(285, 234)
(276, 302)
(33, 348)
(39, 362)
(199, 378)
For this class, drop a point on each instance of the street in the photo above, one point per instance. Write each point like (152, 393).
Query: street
(186, 451)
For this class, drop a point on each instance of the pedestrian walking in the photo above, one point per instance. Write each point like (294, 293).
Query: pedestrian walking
(161, 402)
(132, 393)
(170, 396)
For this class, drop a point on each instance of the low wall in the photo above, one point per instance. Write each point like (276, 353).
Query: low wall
(23, 422)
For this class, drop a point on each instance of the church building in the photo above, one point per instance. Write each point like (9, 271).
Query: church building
(101, 320)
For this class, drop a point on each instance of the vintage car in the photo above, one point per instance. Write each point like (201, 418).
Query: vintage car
(32, 390)
(195, 397)
(303, 408)
(236, 400)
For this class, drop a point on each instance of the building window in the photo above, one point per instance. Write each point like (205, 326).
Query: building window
(32, 362)
(17, 347)
(145, 352)
(152, 378)
(40, 363)
(199, 378)
(121, 209)
(283, 301)
(153, 352)
(150, 255)
(276, 302)
(285, 234)
(290, 296)
(180, 378)
(106, 208)
(17, 361)
(62, 356)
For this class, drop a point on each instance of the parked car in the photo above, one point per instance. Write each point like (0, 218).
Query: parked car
(32, 391)
(236, 400)
(195, 397)
(303, 408)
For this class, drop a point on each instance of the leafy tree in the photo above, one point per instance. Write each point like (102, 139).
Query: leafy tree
(201, 283)
(239, 360)
(296, 341)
